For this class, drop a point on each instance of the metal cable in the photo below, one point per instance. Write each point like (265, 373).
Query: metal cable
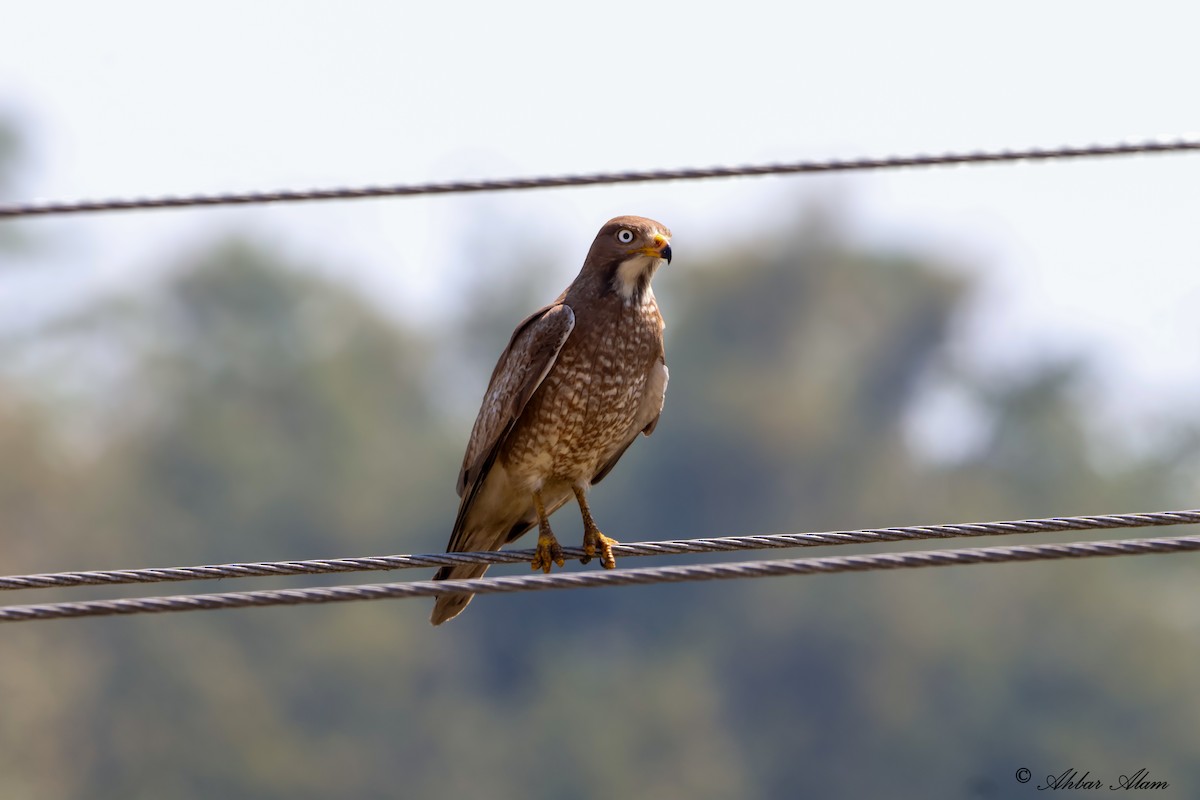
(29, 209)
(579, 580)
(671, 547)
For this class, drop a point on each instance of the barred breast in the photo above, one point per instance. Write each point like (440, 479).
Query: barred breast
(586, 408)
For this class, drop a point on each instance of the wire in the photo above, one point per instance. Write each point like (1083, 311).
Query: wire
(579, 580)
(724, 544)
(591, 179)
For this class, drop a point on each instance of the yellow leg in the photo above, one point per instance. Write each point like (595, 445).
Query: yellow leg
(548, 550)
(592, 537)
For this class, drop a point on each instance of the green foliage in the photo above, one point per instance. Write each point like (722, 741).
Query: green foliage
(265, 413)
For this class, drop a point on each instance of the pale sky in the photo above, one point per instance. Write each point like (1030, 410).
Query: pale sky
(132, 97)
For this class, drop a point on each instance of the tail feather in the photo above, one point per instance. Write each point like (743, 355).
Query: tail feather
(449, 606)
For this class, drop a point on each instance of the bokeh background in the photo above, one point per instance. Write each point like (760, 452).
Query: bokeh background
(298, 382)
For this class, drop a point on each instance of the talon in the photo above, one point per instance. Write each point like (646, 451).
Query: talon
(606, 554)
(549, 552)
(592, 539)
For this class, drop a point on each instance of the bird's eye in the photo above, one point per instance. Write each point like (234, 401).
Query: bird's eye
(624, 236)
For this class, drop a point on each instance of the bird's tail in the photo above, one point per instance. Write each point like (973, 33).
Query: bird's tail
(449, 606)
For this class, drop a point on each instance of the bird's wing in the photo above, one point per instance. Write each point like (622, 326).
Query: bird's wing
(530, 354)
(648, 413)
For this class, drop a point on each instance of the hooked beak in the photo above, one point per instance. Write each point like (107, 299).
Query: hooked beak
(661, 248)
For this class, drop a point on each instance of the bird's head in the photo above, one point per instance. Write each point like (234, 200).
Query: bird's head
(627, 252)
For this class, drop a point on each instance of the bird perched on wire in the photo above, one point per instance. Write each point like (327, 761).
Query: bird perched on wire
(579, 380)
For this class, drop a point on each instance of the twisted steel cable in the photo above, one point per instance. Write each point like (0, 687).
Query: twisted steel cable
(723, 544)
(579, 580)
(46, 208)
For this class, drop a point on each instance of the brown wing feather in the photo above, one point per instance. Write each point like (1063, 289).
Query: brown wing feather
(531, 353)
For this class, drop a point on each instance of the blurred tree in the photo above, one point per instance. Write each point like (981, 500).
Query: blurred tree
(288, 414)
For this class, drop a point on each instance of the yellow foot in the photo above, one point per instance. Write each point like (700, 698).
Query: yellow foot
(593, 539)
(548, 552)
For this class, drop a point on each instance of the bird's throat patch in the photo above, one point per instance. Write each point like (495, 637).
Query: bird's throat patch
(632, 277)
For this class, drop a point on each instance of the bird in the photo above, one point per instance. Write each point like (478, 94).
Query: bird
(580, 379)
